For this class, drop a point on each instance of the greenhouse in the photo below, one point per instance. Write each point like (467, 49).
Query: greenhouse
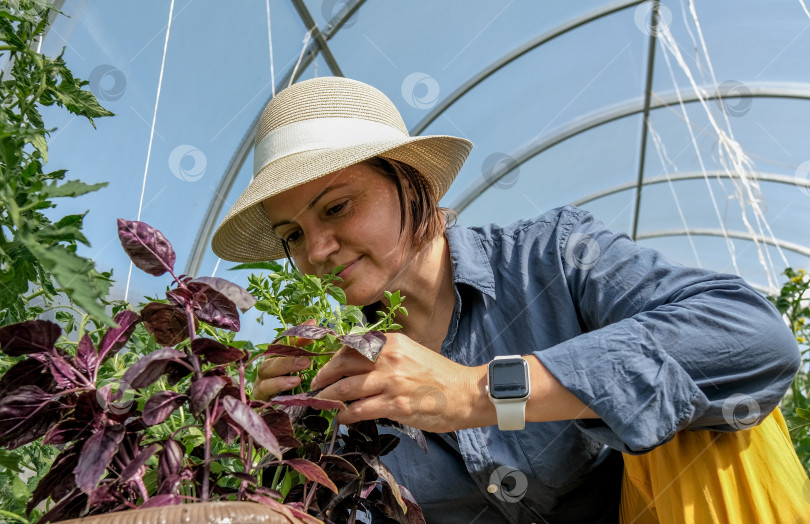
(679, 126)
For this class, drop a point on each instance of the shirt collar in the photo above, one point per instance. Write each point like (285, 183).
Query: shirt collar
(469, 262)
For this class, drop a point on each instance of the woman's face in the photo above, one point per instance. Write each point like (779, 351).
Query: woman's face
(348, 218)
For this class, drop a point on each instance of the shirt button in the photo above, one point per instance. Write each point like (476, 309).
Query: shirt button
(492, 488)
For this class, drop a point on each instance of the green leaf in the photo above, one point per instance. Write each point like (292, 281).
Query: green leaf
(41, 145)
(19, 490)
(803, 413)
(77, 276)
(71, 188)
(270, 265)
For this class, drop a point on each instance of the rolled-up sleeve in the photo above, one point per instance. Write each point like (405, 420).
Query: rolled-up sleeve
(665, 347)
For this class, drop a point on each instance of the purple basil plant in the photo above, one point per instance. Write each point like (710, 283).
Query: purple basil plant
(110, 460)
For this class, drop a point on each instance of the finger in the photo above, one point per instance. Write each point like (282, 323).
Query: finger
(351, 388)
(345, 363)
(277, 366)
(266, 389)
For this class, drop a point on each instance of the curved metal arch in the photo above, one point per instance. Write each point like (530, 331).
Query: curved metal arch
(740, 235)
(692, 175)
(246, 144)
(616, 112)
(516, 53)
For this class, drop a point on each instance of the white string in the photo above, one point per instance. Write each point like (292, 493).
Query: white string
(270, 41)
(805, 8)
(301, 56)
(152, 131)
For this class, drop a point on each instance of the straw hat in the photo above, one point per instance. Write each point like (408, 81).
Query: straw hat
(317, 127)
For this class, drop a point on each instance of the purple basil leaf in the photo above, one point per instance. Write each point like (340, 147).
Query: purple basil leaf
(303, 399)
(311, 471)
(251, 422)
(66, 375)
(244, 476)
(236, 294)
(159, 501)
(68, 507)
(281, 426)
(59, 479)
(102, 495)
(339, 462)
(224, 427)
(290, 351)
(408, 431)
(306, 331)
(96, 455)
(20, 409)
(31, 336)
(28, 372)
(86, 355)
(180, 297)
(368, 344)
(203, 391)
(66, 431)
(149, 368)
(285, 509)
(385, 474)
(168, 324)
(160, 406)
(146, 246)
(216, 352)
(139, 460)
(170, 461)
(116, 337)
(213, 307)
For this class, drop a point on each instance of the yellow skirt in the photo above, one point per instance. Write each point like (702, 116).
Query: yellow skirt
(750, 476)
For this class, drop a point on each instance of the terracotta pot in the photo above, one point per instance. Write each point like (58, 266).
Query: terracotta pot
(203, 513)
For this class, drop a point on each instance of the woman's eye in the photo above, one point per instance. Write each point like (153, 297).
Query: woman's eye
(292, 237)
(335, 209)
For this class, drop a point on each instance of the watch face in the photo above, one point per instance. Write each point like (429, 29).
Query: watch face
(509, 379)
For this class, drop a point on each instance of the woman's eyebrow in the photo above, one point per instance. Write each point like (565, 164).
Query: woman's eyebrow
(313, 202)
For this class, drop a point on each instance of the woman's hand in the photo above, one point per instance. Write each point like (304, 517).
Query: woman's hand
(275, 373)
(408, 383)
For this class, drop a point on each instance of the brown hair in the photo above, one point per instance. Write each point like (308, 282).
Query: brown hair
(428, 220)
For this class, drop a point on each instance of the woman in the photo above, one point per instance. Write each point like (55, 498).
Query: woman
(555, 365)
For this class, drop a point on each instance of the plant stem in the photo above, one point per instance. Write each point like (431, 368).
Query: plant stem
(14, 516)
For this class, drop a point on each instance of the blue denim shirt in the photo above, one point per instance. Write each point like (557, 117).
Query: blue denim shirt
(649, 345)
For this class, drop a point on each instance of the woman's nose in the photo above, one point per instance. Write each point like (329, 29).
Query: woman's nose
(321, 244)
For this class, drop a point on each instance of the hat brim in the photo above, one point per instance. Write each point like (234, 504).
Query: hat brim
(246, 235)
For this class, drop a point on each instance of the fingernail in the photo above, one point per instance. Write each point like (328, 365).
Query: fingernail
(293, 381)
(301, 361)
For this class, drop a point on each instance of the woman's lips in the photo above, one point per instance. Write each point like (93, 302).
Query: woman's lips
(349, 269)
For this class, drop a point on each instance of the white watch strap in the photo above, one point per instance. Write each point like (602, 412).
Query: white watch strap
(511, 414)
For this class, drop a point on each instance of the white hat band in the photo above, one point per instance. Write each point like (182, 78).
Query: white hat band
(320, 133)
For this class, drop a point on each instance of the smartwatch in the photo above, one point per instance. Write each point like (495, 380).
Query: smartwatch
(509, 388)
